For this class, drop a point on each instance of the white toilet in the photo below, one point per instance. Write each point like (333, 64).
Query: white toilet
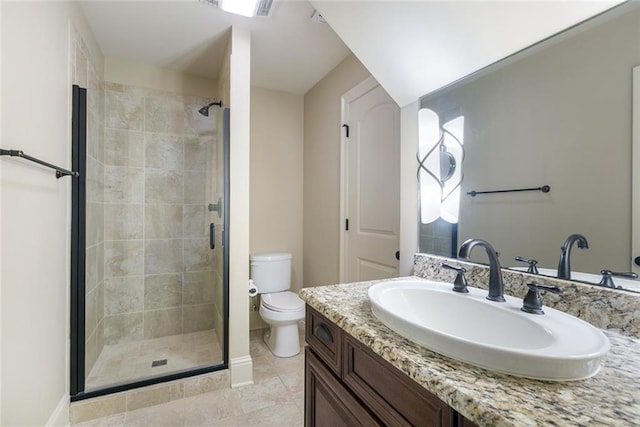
(279, 308)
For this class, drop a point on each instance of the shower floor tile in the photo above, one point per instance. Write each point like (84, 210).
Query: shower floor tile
(122, 363)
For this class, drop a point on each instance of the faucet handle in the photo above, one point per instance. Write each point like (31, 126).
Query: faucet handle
(532, 303)
(532, 264)
(460, 283)
(607, 277)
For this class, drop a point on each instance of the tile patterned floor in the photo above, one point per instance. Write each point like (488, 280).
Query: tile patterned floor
(275, 399)
(123, 362)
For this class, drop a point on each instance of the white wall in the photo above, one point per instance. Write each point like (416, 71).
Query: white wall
(322, 121)
(35, 221)
(276, 178)
(240, 118)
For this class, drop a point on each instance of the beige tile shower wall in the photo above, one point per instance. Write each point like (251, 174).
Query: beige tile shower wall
(159, 269)
(87, 75)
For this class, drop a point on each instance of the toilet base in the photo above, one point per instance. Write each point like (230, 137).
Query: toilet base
(283, 340)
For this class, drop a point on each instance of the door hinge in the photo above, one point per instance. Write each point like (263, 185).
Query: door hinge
(347, 130)
(346, 224)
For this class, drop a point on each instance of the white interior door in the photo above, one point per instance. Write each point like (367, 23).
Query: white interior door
(371, 184)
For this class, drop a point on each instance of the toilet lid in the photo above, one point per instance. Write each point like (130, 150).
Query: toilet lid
(282, 301)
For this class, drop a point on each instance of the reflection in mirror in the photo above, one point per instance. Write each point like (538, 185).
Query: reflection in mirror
(440, 156)
(447, 164)
(558, 113)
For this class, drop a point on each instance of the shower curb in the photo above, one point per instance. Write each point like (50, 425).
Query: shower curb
(144, 397)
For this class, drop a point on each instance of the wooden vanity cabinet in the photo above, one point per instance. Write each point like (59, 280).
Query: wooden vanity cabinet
(346, 384)
(328, 402)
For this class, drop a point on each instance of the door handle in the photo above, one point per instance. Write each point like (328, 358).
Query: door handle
(212, 235)
(322, 332)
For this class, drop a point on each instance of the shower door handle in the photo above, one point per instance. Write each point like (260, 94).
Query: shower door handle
(212, 235)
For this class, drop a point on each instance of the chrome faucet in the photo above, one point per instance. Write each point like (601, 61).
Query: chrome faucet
(564, 265)
(496, 285)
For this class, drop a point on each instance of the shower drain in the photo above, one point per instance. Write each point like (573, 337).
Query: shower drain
(158, 363)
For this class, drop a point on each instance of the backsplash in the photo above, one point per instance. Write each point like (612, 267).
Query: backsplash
(602, 307)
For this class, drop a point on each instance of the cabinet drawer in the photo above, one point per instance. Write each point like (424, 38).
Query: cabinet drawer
(324, 337)
(328, 403)
(393, 397)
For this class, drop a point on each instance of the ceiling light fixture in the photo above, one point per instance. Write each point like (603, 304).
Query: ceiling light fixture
(248, 8)
(239, 7)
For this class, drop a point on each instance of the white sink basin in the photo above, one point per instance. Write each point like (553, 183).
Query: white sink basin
(493, 335)
(630, 284)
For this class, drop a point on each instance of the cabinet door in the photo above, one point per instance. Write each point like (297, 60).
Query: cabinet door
(392, 396)
(463, 422)
(327, 402)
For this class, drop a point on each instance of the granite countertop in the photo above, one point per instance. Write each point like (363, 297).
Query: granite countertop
(612, 397)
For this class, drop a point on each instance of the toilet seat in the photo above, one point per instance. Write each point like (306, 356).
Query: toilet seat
(283, 302)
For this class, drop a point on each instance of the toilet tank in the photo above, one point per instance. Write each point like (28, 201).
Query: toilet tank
(271, 272)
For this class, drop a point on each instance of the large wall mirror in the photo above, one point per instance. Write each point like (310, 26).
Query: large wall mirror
(556, 114)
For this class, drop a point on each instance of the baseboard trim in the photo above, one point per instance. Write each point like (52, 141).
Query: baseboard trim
(60, 416)
(241, 371)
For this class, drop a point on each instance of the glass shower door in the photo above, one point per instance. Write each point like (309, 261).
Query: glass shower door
(217, 214)
(152, 304)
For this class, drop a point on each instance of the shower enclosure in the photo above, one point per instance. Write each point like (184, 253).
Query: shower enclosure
(149, 251)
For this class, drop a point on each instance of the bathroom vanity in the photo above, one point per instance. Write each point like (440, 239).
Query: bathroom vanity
(348, 384)
(359, 372)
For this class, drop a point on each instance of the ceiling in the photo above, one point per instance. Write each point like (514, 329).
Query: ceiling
(289, 52)
(415, 47)
(411, 47)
